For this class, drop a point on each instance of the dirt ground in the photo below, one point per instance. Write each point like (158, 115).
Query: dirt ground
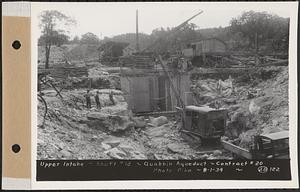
(256, 105)
(72, 131)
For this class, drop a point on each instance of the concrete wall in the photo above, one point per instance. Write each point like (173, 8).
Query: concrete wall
(149, 93)
(140, 92)
(188, 52)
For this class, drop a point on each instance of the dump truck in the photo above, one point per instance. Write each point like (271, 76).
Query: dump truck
(265, 146)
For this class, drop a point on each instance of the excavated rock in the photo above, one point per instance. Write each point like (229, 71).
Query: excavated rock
(113, 123)
(139, 122)
(217, 153)
(112, 143)
(175, 148)
(120, 123)
(159, 121)
(137, 155)
(116, 153)
(97, 116)
(105, 146)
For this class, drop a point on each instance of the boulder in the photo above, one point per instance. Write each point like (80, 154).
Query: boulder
(139, 122)
(105, 146)
(120, 123)
(211, 157)
(97, 116)
(253, 107)
(174, 148)
(113, 123)
(159, 121)
(126, 148)
(137, 155)
(112, 143)
(65, 153)
(217, 152)
(205, 156)
(94, 138)
(116, 153)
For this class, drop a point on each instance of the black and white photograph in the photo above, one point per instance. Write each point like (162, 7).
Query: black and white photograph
(150, 95)
(160, 82)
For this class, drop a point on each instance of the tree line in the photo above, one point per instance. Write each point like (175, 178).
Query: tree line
(251, 31)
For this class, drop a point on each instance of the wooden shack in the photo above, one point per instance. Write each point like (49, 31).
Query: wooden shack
(148, 90)
(205, 46)
(206, 52)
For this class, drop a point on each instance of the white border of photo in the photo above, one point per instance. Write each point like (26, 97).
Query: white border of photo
(290, 7)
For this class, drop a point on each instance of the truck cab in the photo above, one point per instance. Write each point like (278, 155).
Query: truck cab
(205, 122)
(265, 146)
(272, 145)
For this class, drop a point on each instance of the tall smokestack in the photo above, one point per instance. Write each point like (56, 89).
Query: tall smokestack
(137, 31)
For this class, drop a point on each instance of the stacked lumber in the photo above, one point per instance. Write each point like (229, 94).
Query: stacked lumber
(143, 62)
(63, 72)
(127, 61)
(138, 61)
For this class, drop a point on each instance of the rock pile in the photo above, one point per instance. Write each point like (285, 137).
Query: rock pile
(258, 107)
(107, 122)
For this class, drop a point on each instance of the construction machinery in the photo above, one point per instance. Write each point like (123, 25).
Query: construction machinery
(265, 146)
(199, 122)
(204, 123)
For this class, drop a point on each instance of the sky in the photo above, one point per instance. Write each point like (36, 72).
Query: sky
(111, 18)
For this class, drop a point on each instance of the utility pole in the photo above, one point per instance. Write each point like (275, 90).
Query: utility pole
(137, 31)
(256, 49)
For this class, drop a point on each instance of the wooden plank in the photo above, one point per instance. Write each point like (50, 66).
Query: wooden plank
(277, 63)
(157, 113)
(237, 150)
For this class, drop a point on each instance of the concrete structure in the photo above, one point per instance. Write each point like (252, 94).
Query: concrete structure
(148, 90)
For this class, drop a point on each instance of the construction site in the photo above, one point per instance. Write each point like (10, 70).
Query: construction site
(202, 101)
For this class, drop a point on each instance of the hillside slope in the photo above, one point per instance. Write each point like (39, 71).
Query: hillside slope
(258, 105)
